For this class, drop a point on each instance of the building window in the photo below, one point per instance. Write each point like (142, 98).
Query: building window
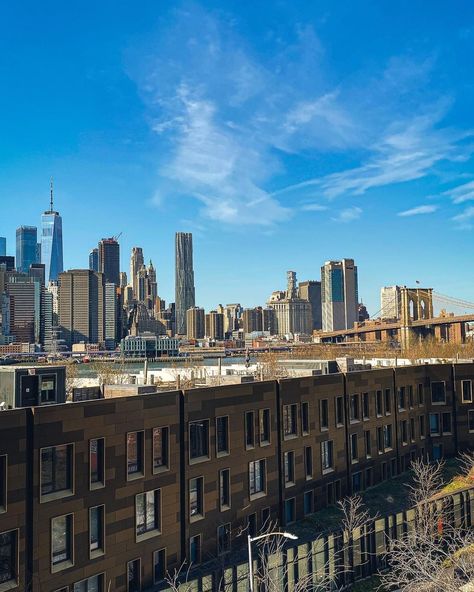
(135, 454)
(354, 408)
(369, 477)
(401, 398)
(339, 411)
(223, 539)
(327, 461)
(308, 502)
(96, 531)
(249, 429)
(368, 444)
(437, 452)
(380, 440)
(412, 429)
(404, 432)
(196, 498)
(222, 435)
(257, 477)
(470, 416)
(148, 514)
(61, 542)
(134, 576)
(388, 401)
(92, 584)
(290, 420)
(365, 406)
(56, 470)
(384, 471)
(9, 557)
(446, 422)
(324, 414)
(357, 482)
(97, 463)
(438, 393)
(266, 518)
(378, 403)
(252, 524)
(199, 439)
(290, 510)
(466, 387)
(195, 549)
(422, 426)
(387, 437)
(289, 459)
(159, 566)
(224, 489)
(421, 396)
(3, 483)
(47, 389)
(354, 448)
(308, 462)
(264, 426)
(434, 424)
(305, 418)
(161, 443)
(410, 395)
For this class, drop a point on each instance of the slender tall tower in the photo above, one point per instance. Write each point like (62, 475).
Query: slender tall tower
(52, 242)
(184, 279)
(136, 263)
(26, 247)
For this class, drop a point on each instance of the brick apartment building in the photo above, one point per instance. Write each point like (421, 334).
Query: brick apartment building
(118, 491)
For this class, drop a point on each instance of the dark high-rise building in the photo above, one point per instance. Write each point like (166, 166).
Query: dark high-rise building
(52, 242)
(109, 260)
(214, 325)
(94, 260)
(26, 247)
(8, 261)
(3, 246)
(184, 282)
(311, 291)
(24, 295)
(82, 306)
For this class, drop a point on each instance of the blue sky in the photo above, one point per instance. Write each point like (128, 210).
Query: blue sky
(281, 134)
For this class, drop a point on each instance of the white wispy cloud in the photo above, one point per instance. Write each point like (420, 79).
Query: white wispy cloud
(465, 219)
(228, 119)
(429, 209)
(461, 193)
(348, 214)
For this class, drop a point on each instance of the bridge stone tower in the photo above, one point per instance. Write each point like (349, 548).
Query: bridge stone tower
(416, 304)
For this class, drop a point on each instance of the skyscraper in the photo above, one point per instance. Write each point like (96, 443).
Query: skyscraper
(339, 295)
(3, 246)
(82, 306)
(311, 291)
(26, 247)
(94, 260)
(52, 242)
(136, 263)
(195, 323)
(109, 260)
(184, 279)
(292, 314)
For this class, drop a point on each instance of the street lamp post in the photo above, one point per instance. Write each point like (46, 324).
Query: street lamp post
(250, 540)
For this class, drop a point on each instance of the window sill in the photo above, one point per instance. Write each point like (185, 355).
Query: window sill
(135, 476)
(438, 402)
(289, 484)
(225, 508)
(255, 496)
(98, 485)
(199, 459)
(94, 554)
(56, 495)
(61, 566)
(265, 443)
(158, 470)
(354, 421)
(196, 518)
(147, 535)
(328, 471)
(8, 585)
(290, 436)
(221, 454)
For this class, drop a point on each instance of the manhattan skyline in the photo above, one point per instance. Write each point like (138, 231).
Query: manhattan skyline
(281, 139)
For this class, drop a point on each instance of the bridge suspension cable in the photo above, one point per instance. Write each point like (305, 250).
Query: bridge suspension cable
(453, 301)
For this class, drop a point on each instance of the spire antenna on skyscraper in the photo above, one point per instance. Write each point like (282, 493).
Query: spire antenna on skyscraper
(51, 196)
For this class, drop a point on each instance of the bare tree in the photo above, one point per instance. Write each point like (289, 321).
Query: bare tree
(110, 372)
(72, 378)
(432, 555)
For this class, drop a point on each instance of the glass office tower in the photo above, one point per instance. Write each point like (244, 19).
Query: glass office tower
(26, 247)
(52, 243)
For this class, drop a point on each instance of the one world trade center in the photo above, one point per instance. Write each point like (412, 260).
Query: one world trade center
(52, 242)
